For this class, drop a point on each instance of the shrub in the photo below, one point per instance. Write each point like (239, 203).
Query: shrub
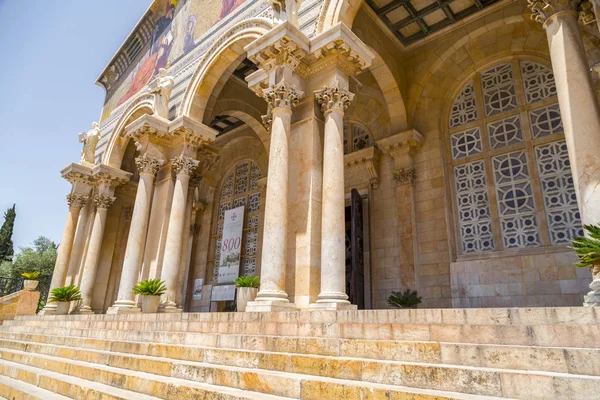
(30, 275)
(65, 293)
(248, 281)
(150, 287)
(588, 248)
(405, 299)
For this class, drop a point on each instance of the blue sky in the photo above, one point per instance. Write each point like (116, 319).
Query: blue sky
(52, 53)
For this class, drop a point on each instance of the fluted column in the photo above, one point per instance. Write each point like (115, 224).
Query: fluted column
(148, 167)
(334, 100)
(76, 203)
(281, 98)
(578, 107)
(90, 268)
(183, 167)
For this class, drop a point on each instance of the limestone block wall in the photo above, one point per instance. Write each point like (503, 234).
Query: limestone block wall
(536, 280)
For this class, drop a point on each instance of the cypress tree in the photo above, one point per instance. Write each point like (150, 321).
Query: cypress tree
(6, 232)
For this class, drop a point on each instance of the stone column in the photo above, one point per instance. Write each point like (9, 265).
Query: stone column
(102, 203)
(190, 230)
(148, 167)
(334, 100)
(76, 203)
(578, 107)
(272, 295)
(183, 167)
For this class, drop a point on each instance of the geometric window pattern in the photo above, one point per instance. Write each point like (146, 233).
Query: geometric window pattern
(515, 201)
(466, 143)
(240, 188)
(464, 108)
(562, 212)
(545, 121)
(474, 216)
(498, 88)
(356, 137)
(505, 147)
(505, 132)
(538, 81)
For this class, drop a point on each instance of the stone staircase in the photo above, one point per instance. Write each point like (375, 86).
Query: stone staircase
(539, 353)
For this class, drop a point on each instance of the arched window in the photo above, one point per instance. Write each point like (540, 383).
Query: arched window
(240, 188)
(512, 177)
(356, 137)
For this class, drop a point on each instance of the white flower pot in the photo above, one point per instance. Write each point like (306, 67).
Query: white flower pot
(62, 308)
(150, 304)
(244, 295)
(29, 284)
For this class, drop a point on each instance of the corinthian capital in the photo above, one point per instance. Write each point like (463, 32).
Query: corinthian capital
(281, 95)
(542, 10)
(147, 164)
(334, 98)
(76, 200)
(103, 201)
(184, 165)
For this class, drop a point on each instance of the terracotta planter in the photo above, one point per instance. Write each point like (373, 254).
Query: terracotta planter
(62, 308)
(29, 284)
(244, 295)
(150, 304)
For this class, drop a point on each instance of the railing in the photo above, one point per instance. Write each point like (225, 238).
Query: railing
(11, 285)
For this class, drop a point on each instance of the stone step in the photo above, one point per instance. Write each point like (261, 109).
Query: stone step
(306, 375)
(473, 316)
(560, 335)
(107, 383)
(285, 355)
(14, 389)
(186, 376)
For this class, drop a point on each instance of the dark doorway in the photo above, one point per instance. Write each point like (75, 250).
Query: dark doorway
(355, 276)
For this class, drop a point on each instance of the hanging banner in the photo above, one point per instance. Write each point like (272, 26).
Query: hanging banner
(231, 245)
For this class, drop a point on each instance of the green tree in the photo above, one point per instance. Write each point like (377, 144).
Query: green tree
(6, 232)
(41, 257)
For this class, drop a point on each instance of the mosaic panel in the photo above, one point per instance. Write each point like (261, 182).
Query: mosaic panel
(498, 89)
(562, 212)
(538, 81)
(464, 108)
(466, 143)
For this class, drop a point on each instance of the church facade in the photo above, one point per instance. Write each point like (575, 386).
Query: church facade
(450, 148)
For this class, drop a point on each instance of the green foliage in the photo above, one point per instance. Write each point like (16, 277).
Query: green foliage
(65, 293)
(405, 299)
(6, 232)
(41, 305)
(41, 258)
(151, 287)
(30, 275)
(588, 248)
(248, 281)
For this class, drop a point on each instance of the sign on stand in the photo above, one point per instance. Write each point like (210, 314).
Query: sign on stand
(231, 246)
(223, 293)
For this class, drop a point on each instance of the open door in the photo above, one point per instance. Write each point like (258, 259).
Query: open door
(355, 277)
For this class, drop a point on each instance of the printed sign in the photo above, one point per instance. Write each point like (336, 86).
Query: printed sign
(231, 245)
(197, 294)
(223, 293)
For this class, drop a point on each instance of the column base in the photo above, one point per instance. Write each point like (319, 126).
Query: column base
(169, 307)
(49, 309)
(83, 310)
(124, 307)
(332, 306)
(270, 306)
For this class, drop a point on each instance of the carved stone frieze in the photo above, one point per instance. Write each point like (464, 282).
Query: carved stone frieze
(184, 165)
(284, 45)
(207, 158)
(104, 201)
(361, 168)
(334, 98)
(76, 200)
(147, 164)
(404, 176)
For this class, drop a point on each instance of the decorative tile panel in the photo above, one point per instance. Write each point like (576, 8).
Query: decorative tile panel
(239, 202)
(251, 242)
(464, 108)
(538, 81)
(562, 212)
(222, 208)
(253, 221)
(466, 143)
(545, 121)
(250, 266)
(505, 132)
(227, 190)
(255, 175)
(498, 89)
(241, 178)
(254, 202)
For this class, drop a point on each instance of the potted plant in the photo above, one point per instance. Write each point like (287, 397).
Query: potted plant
(588, 250)
(64, 296)
(150, 290)
(407, 299)
(247, 289)
(30, 282)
